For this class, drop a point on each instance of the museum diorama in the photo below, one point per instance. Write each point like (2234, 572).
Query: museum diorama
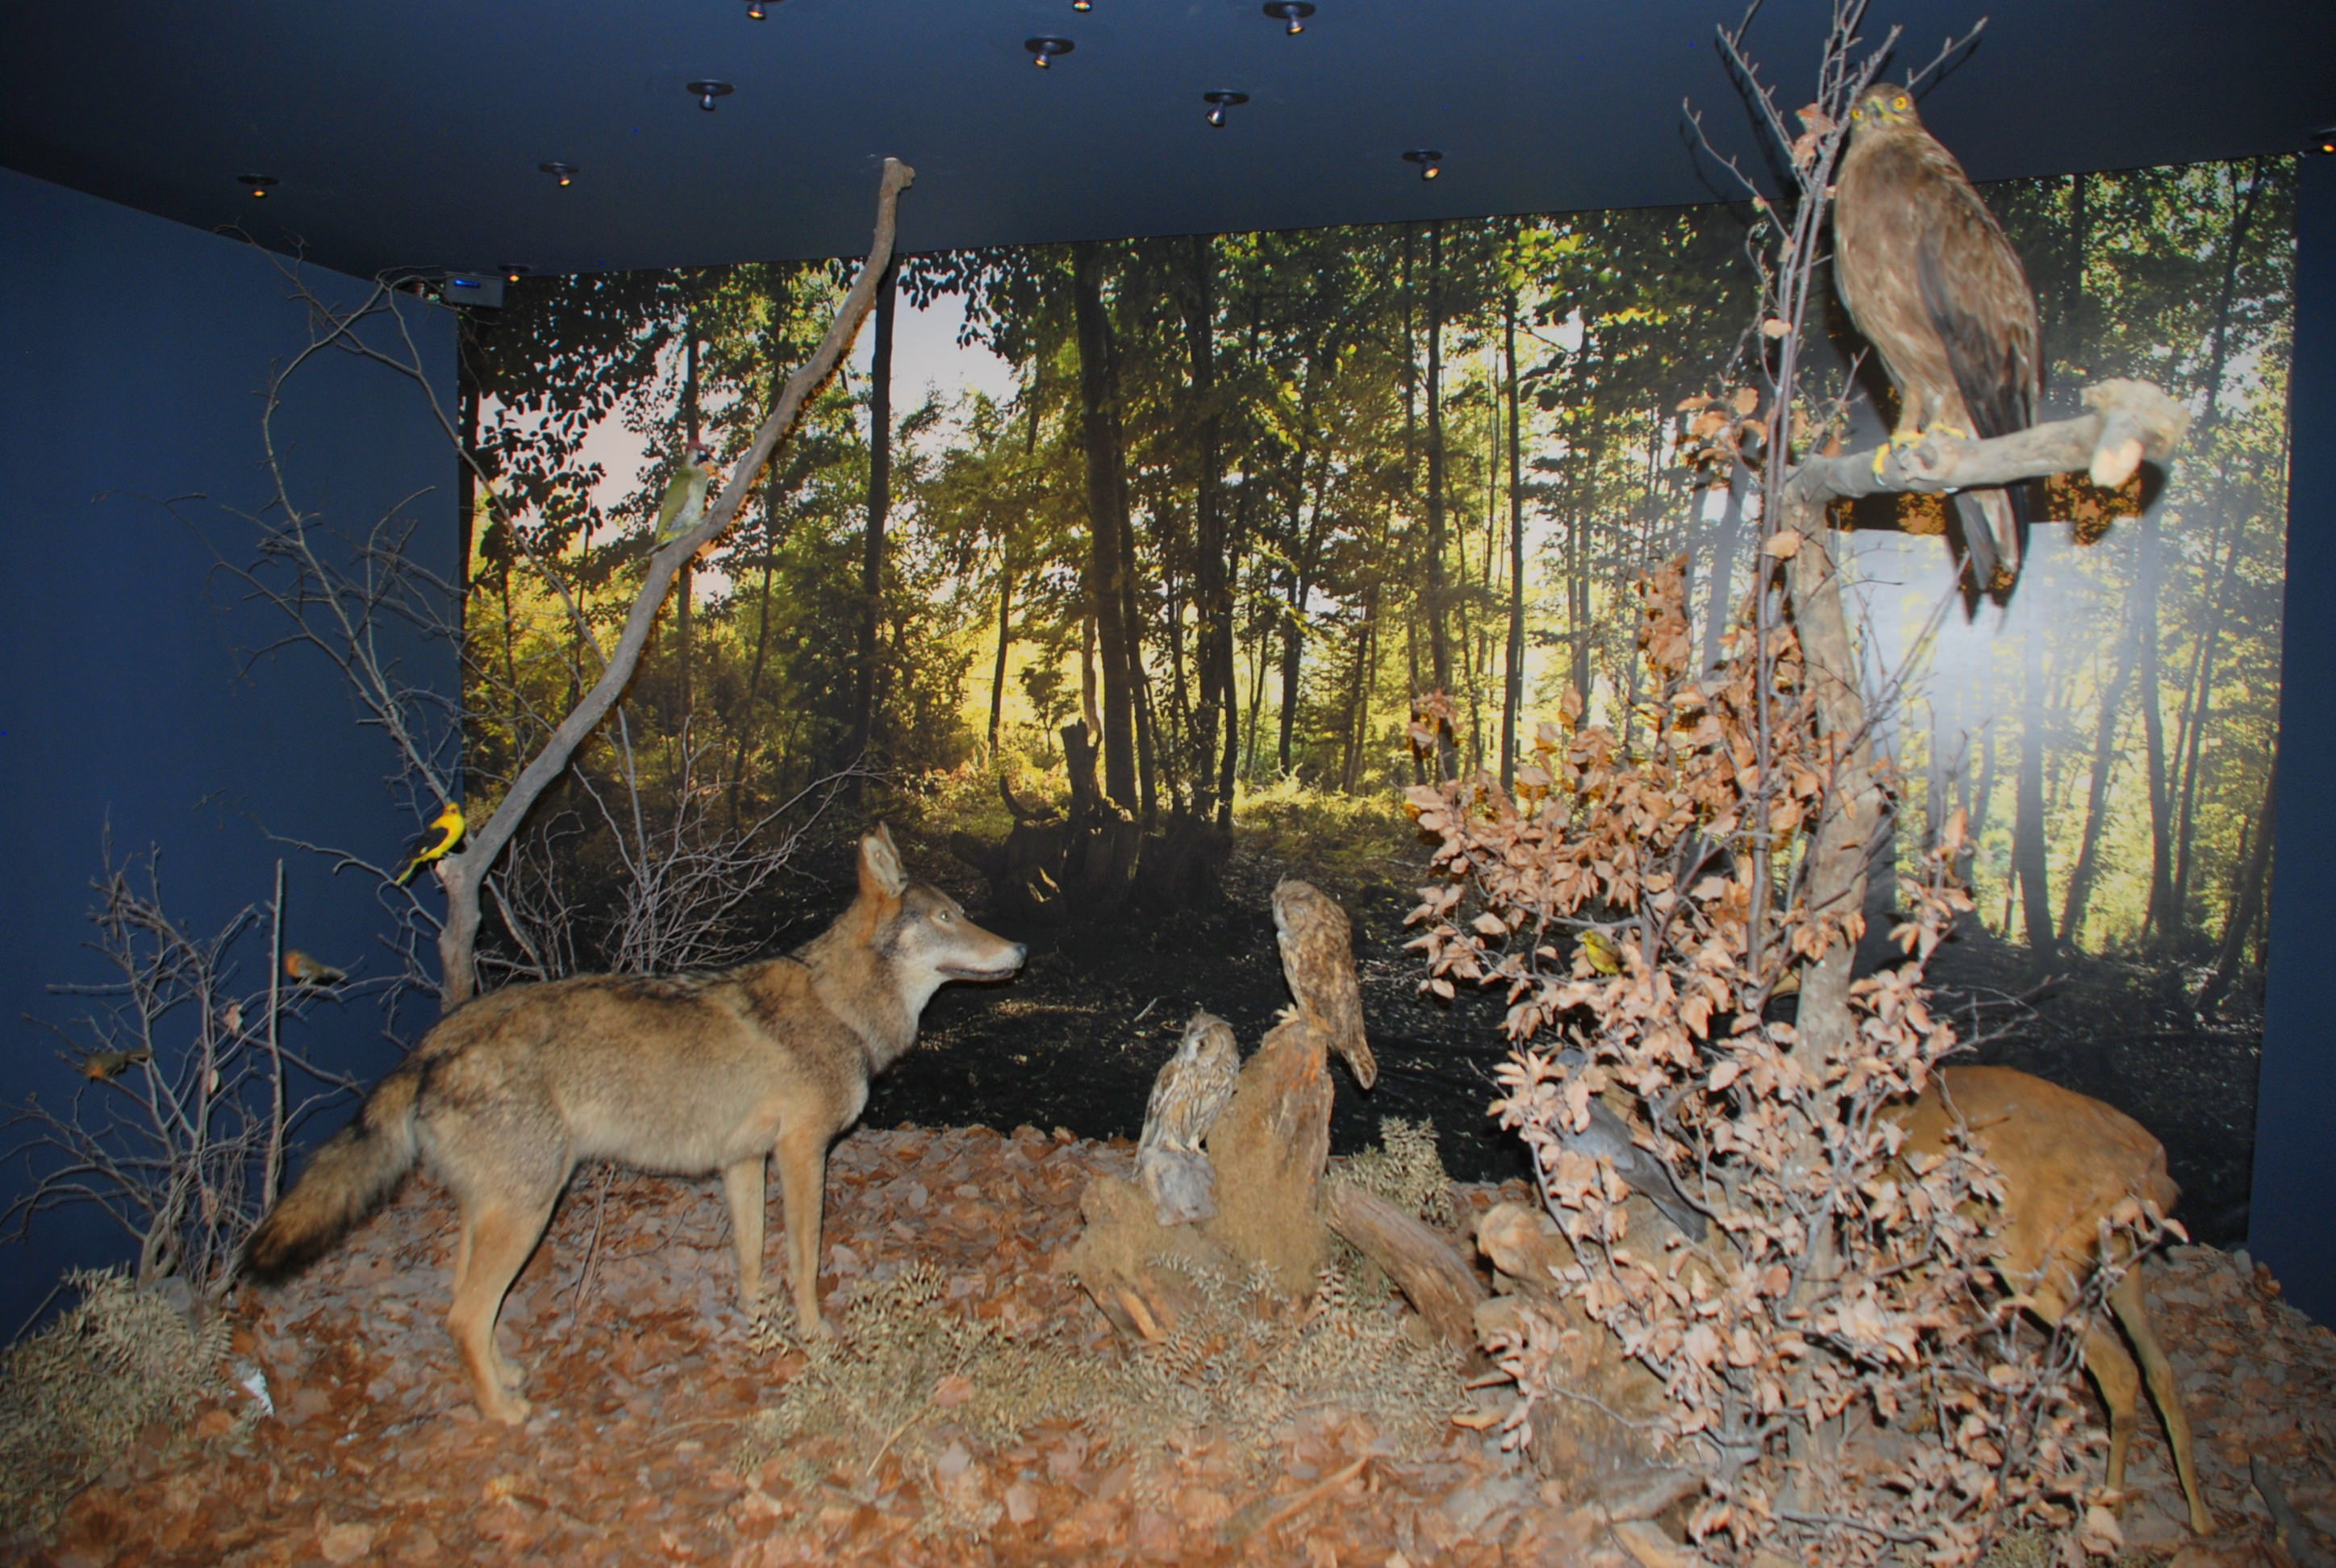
(1326, 783)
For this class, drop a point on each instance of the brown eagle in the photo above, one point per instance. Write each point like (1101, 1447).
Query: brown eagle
(1931, 282)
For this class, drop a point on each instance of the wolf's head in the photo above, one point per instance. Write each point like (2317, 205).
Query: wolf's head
(920, 933)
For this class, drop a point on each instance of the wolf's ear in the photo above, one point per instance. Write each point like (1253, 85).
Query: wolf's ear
(879, 865)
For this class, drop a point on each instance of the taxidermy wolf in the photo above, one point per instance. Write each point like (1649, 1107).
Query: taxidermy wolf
(688, 1074)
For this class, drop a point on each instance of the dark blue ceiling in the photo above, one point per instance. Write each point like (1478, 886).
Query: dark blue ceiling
(409, 135)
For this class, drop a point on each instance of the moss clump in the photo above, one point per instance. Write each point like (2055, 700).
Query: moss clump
(905, 1367)
(908, 1374)
(1405, 1170)
(75, 1396)
(1245, 1364)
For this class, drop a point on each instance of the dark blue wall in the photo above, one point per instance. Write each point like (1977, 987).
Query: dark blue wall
(2292, 1224)
(131, 353)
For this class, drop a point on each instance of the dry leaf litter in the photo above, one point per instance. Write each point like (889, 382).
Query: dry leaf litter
(976, 1408)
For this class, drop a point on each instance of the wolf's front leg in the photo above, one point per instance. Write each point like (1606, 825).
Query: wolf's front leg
(803, 1184)
(742, 1184)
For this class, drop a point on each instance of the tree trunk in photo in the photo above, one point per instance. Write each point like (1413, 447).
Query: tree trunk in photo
(1301, 594)
(880, 503)
(1292, 658)
(1005, 641)
(1513, 690)
(1439, 642)
(1106, 565)
(1212, 565)
(2250, 890)
(1726, 540)
(2028, 849)
(2164, 919)
(2105, 760)
(1148, 761)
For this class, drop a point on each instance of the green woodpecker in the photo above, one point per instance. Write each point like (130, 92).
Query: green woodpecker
(684, 498)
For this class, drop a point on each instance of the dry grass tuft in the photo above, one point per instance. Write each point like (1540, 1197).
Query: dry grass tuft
(1405, 1170)
(75, 1396)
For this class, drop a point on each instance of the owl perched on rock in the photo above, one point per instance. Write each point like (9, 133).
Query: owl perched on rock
(1192, 1088)
(1317, 960)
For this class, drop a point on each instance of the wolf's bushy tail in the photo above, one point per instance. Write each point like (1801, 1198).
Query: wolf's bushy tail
(355, 1169)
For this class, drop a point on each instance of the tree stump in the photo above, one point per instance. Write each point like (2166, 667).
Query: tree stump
(1268, 1150)
(1051, 869)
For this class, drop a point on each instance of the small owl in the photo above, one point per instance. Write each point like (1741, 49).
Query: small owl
(1191, 1089)
(1317, 960)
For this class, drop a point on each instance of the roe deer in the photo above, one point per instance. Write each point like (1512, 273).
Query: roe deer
(2067, 1160)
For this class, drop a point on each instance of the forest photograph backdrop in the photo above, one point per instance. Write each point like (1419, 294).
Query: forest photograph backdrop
(1233, 502)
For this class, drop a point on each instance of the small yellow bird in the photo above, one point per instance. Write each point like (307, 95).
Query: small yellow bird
(1605, 955)
(445, 832)
(104, 1066)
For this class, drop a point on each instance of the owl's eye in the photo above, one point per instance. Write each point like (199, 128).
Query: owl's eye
(1898, 103)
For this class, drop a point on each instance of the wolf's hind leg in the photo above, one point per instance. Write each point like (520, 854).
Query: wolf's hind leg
(497, 1237)
(742, 1184)
(803, 1183)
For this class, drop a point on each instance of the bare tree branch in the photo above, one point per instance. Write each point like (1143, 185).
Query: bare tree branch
(463, 872)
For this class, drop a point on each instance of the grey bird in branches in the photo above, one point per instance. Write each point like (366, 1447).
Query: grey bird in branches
(1609, 1136)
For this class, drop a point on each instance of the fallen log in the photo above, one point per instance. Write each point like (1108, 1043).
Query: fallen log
(1436, 1281)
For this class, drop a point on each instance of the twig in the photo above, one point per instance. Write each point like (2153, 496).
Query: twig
(1236, 1531)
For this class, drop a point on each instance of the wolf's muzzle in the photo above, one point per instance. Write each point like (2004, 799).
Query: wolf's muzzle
(1012, 964)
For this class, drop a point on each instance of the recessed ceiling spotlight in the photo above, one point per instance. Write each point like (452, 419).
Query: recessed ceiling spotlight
(755, 10)
(705, 92)
(1293, 12)
(2324, 138)
(1083, 7)
(1223, 101)
(563, 172)
(512, 272)
(1430, 161)
(258, 184)
(1045, 49)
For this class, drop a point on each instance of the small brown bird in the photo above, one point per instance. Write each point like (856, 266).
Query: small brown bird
(1191, 1089)
(1317, 960)
(302, 969)
(104, 1066)
(1929, 280)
